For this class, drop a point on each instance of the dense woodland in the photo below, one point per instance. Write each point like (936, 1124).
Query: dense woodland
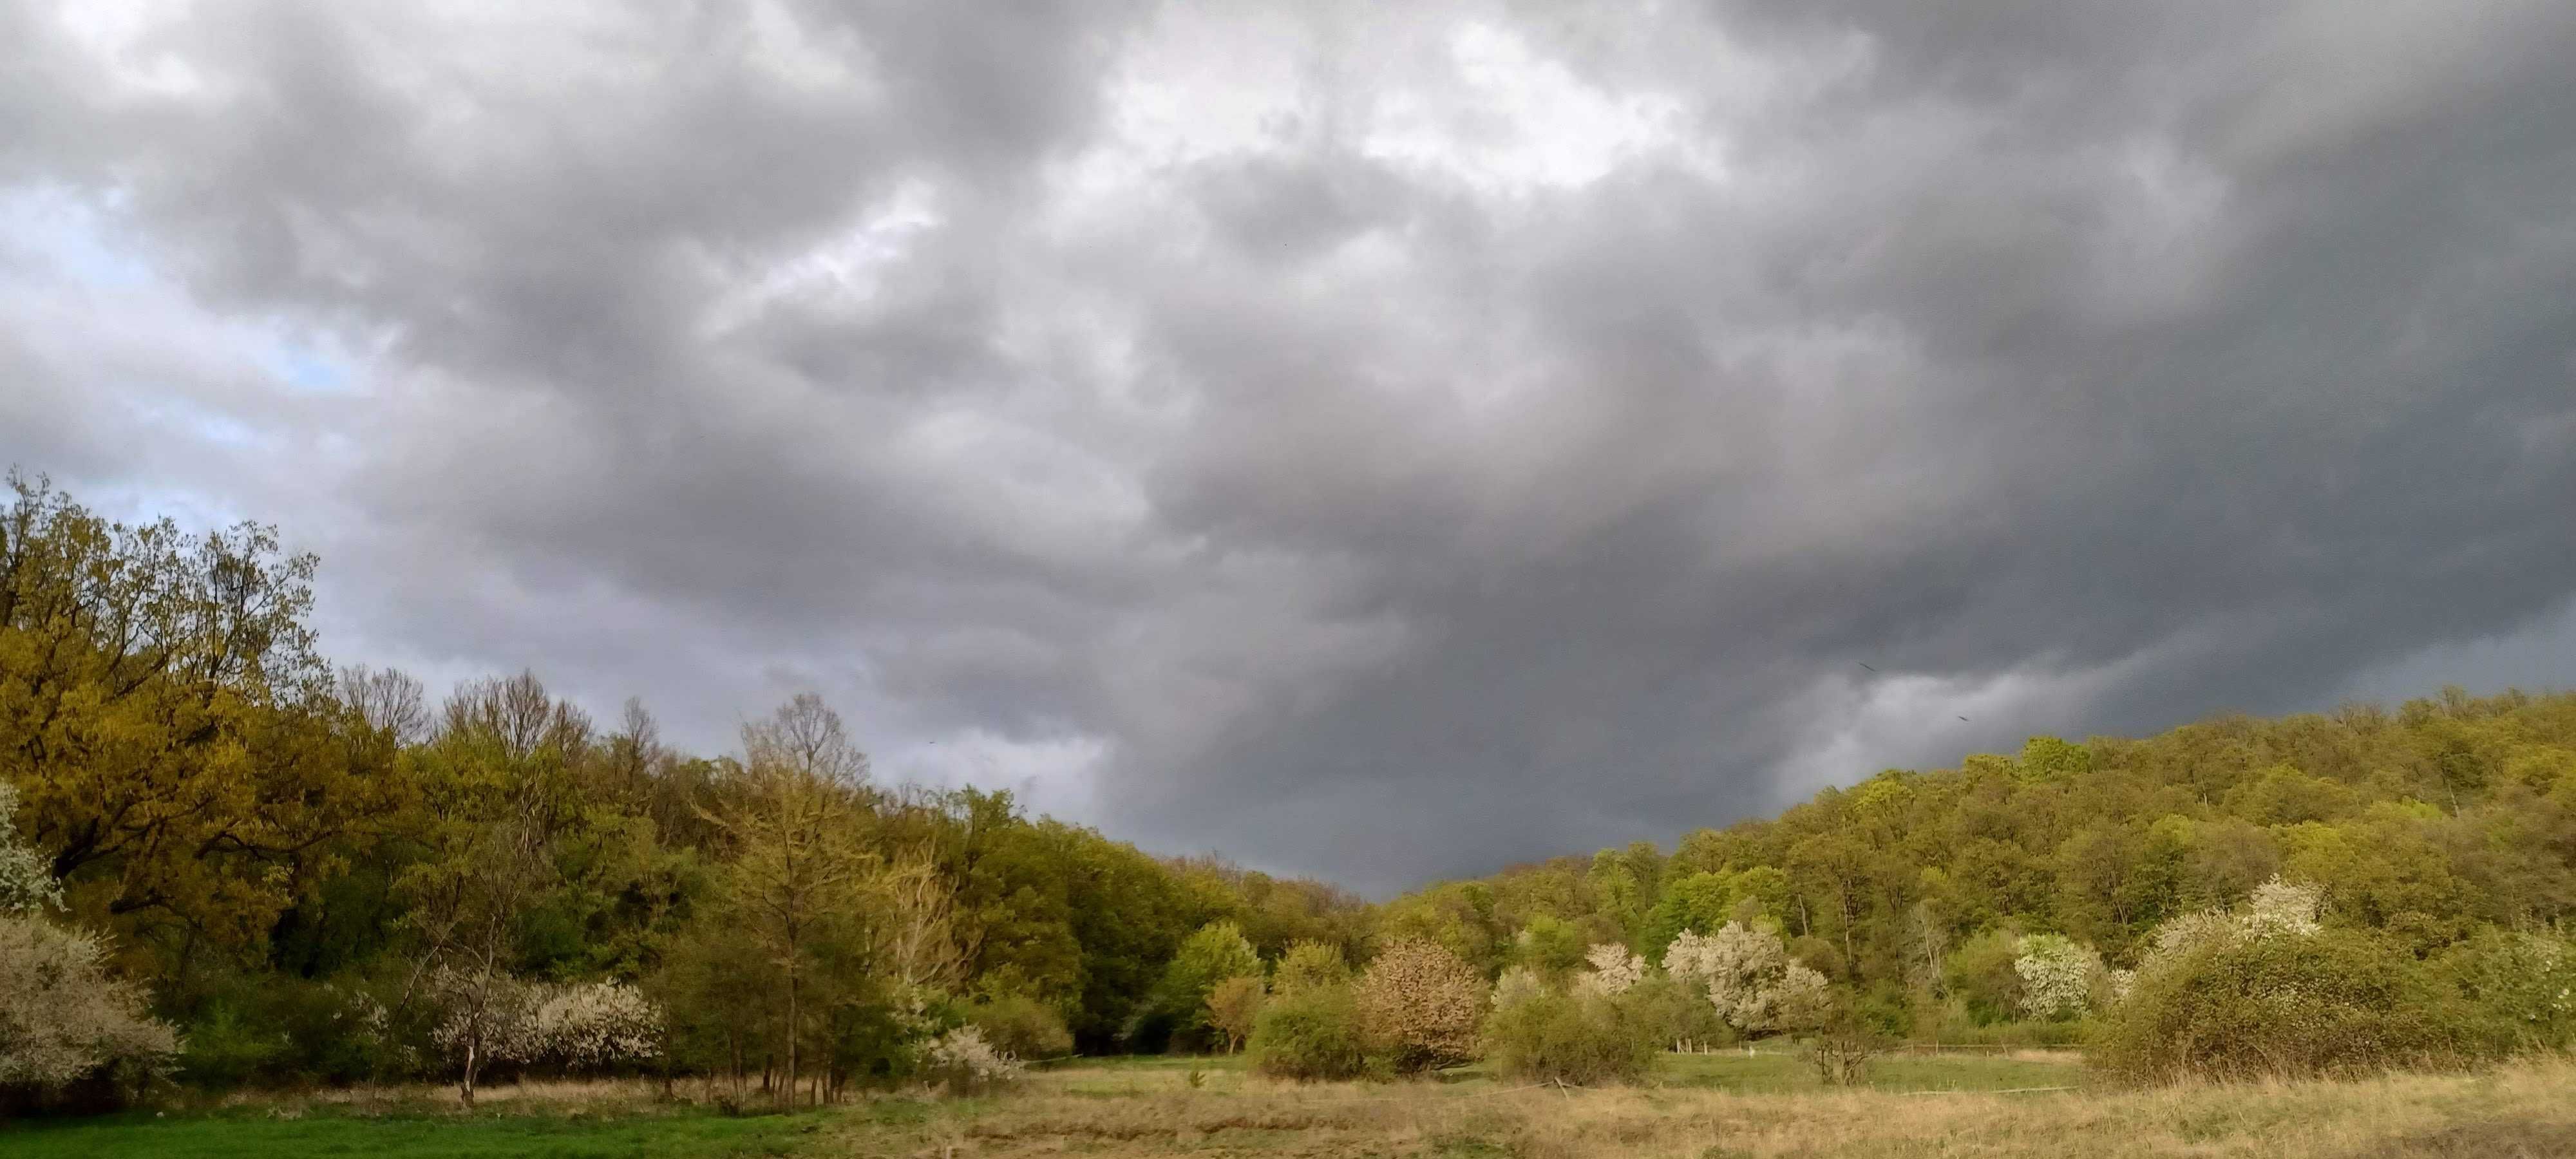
(282, 872)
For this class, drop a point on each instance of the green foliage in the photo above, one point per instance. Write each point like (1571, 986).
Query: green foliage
(1215, 953)
(1310, 1033)
(1022, 1026)
(1575, 1038)
(1310, 964)
(2335, 1002)
(2518, 987)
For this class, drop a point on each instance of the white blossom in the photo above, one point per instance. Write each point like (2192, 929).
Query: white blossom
(575, 1026)
(26, 881)
(1614, 970)
(61, 1016)
(1518, 984)
(2282, 906)
(1751, 978)
(965, 1061)
(2058, 976)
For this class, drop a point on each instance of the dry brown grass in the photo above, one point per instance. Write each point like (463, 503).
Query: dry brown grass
(2524, 1110)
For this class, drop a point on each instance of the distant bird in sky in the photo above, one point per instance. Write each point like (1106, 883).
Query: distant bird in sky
(1865, 666)
(1963, 718)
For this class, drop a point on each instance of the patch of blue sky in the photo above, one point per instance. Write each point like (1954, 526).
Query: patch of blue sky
(55, 230)
(309, 368)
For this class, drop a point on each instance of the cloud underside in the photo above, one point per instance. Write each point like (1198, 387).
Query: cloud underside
(1371, 441)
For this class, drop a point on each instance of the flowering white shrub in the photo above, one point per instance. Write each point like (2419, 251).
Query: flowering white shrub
(2058, 976)
(1751, 978)
(576, 1026)
(1518, 984)
(1418, 1003)
(963, 1061)
(26, 881)
(2285, 907)
(61, 1017)
(1614, 970)
(598, 1023)
(2276, 907)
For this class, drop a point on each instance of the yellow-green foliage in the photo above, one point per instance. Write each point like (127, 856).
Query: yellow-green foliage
(1309, 1033)
(2335, 1002)
(1581, 1038)
(1022, 1026)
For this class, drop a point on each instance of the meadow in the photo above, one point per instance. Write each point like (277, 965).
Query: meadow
(1699, 1106)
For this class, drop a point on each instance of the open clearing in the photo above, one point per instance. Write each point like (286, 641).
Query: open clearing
(1704, 1107)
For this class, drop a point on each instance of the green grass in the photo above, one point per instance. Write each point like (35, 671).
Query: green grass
(642, 1130)
(688, 1136)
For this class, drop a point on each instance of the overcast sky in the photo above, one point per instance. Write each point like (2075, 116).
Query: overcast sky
(1375, 440)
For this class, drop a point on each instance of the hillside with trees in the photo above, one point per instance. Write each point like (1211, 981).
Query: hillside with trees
(225, 862)
(2431, 826)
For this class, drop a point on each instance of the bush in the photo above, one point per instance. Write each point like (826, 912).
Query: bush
(1751, 978)
(1980, 974)
(2061, 979)
(1021, 1027)
(2335, 1002)
(1310, 963)
(1215, 953)
(965, 1064)
(2518, 990)
(1311, 1032)
(1232, 1007)
(1573, 1038)
(64, 1023)
(226, 1049)
(1953, 1023)
(272, 1029)
(1419, 1005)
(1678, 1010)
(1841, 1052)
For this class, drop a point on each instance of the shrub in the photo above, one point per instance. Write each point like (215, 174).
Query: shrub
(1215, 953)
(2060, 977)
(63, 1021)
(965, 1064)
(1573, 1038)
(2518, 990)
(1021, 1027)
(1677, 1011)
(1419, 1006)
(573, 1026)
(1842, 1048)
(1980, 975)
(1232, 1007)
(2335, 1002)
(1751, 979)
(26, 877)
(1613, 971)
(226, 1048)
(1310, 963)
(1516, 984)
(1311, 1032)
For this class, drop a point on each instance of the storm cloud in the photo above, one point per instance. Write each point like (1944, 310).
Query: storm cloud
(1378, 441)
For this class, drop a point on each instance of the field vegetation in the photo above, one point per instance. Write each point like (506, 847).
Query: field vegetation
(1700, 1107)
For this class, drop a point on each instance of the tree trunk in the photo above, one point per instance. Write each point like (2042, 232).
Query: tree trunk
(473, 1056)
(791, 1032)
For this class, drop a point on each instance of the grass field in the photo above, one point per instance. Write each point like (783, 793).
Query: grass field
(1702, 1107)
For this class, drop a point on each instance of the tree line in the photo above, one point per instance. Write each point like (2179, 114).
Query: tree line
(225, 861)
(318, 874)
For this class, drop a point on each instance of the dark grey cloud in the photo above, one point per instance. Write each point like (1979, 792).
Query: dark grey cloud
(1380, 442)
